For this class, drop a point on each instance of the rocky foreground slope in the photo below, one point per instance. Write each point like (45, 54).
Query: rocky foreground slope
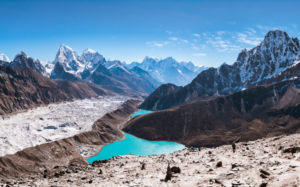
(63, 152)
(273, 162)
(262, 111)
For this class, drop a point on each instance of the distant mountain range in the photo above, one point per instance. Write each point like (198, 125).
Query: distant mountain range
(266, 63)
(69, 65)
(274, 55)
(169, 70)
(92, 67)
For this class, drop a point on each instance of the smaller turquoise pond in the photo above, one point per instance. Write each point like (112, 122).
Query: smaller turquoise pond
(141, 112)
(136, 146)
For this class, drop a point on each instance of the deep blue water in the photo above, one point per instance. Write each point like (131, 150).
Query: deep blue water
(136, 146)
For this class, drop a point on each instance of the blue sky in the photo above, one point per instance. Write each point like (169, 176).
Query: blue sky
(206, 32)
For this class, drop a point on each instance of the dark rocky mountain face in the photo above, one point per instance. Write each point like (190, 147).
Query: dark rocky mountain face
(262, 111)
(138, 72)
(135, 83)
(258, 66)
(24, 88)
(22, 61)
(165, 89)
(81, 90)
(60, 73)
(122, 78)
(103, 70)
(3, 63)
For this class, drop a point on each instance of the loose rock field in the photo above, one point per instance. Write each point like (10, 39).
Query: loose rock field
(267, 162)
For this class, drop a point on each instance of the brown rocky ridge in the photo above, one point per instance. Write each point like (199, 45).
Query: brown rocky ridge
(262, 111)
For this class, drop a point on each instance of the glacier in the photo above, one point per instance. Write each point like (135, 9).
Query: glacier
(53, 122)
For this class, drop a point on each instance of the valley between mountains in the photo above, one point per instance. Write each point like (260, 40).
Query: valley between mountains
(54, 122)
(51, 111)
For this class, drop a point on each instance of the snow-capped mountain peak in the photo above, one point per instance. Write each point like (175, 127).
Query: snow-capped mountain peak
(168, 63)
(277, 35)
(189, 65)
(20, 54)
(92, 59)
(170, 59)
(88, 50)
(21, 60)
(4, 58)
(147, 58)
(116, 66)
(69, 60)
(276, 52)
(66, 54)
(168, 70)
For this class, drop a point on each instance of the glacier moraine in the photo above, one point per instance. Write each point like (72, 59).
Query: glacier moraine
(53, 122)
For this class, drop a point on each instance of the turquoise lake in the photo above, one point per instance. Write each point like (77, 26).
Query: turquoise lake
(136, 146)
(141, 112)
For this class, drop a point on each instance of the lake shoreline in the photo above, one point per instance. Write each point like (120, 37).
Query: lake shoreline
(135, 145)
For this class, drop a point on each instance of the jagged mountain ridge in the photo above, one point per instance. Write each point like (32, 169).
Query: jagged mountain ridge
(93, 67)
(80, 66)
(169, 70)
(144, 75)
(68, 65)
(21, 60)
(123, 78)
(276, 53)
(92, 58)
